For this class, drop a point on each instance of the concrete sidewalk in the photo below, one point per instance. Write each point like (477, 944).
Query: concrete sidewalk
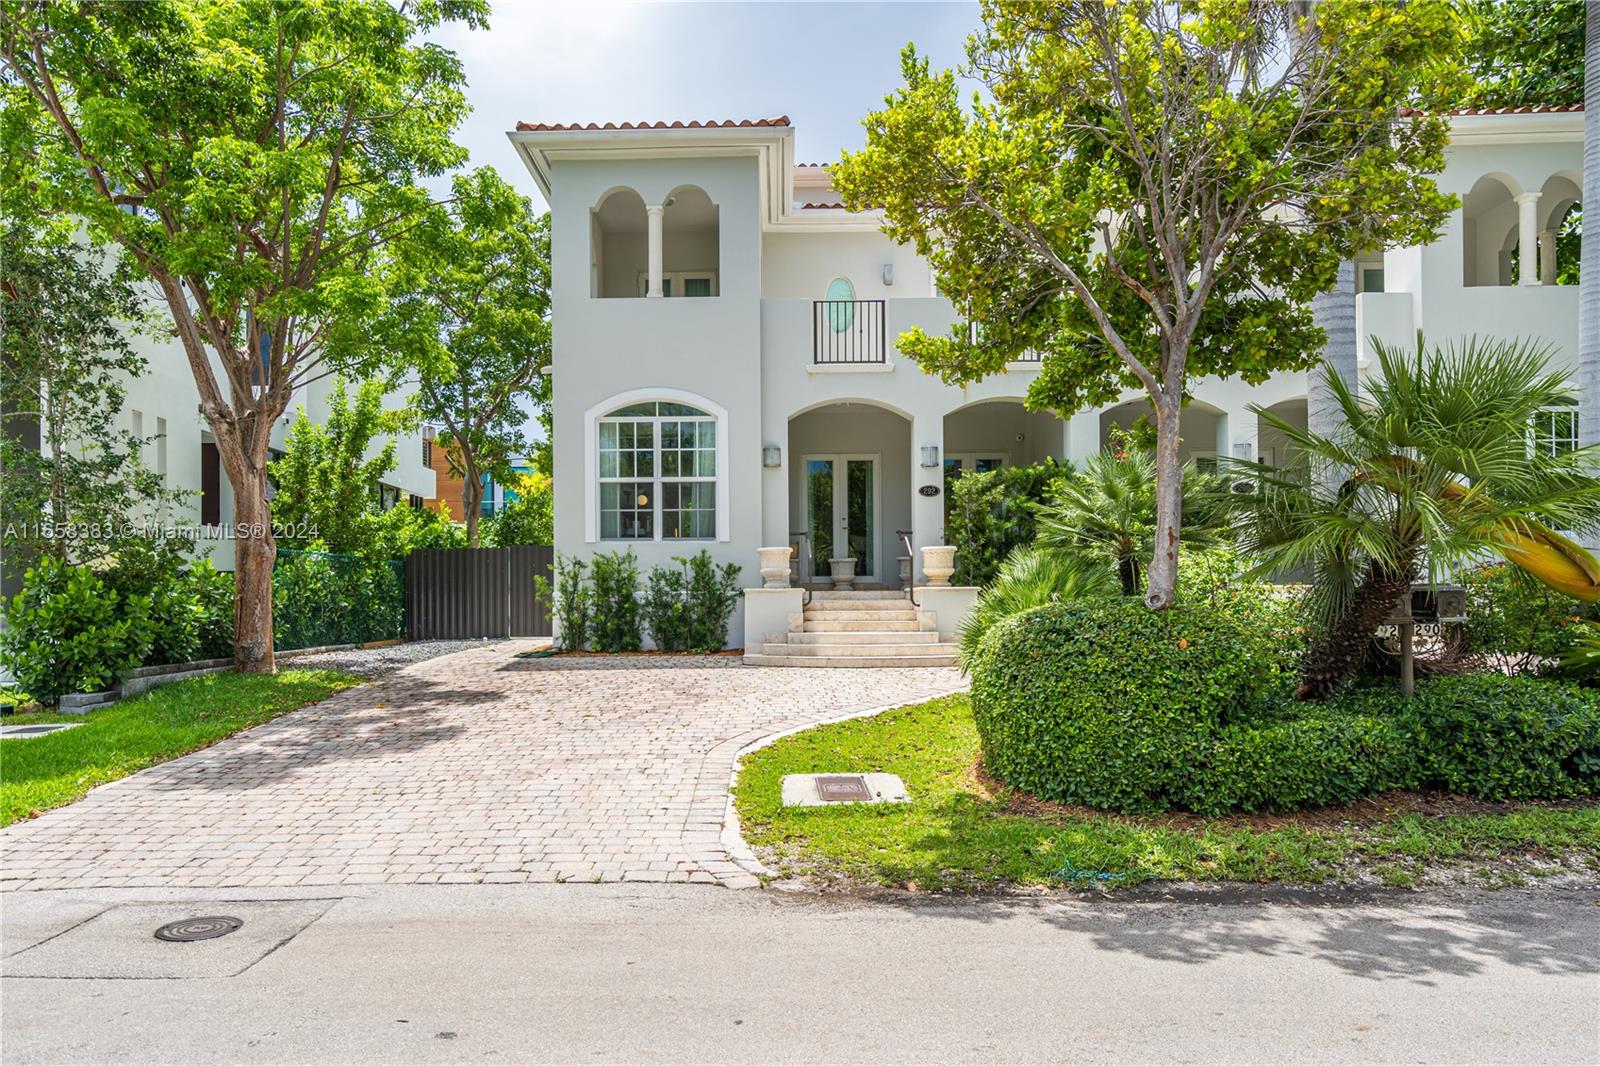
(615, 973)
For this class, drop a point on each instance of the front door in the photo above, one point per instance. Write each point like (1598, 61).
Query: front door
(842, 512)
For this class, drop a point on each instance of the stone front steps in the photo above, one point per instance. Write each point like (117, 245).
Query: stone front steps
(856, 629)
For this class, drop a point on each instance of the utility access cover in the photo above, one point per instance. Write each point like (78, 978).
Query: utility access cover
(822, 790)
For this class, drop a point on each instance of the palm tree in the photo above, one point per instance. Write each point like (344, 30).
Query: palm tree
(1031, 577)
(1436, 469)
(1108, 511)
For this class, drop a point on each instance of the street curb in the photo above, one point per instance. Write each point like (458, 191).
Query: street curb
(734, 844)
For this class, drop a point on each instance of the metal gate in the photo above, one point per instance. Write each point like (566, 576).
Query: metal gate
(458, 593)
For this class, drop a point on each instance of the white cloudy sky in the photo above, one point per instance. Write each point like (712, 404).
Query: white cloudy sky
(822, 64)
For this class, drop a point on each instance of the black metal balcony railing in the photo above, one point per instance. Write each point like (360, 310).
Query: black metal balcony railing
(847, 332)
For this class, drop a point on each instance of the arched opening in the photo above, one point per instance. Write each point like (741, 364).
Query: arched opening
(1489, 232)
(1560, 231)
(618, 245)
(690, 244)
(991, 434)
(1273, 447)
(849, 491)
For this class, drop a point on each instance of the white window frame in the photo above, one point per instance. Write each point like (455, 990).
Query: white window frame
(678, 277)
(969, 460)
(600, 412)
(1533, 430)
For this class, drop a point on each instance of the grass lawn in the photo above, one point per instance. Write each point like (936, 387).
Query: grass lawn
(959, 832)
(57, 768)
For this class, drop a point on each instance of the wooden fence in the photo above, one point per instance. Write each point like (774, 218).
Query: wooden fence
(463, 593)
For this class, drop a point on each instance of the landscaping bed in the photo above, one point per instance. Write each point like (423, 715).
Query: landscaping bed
(965, 832)
(38, 773)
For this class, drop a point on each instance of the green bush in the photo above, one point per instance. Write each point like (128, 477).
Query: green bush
(1498, 737)
(67, 631)
(1510, 614)
(990, 513)
(713, 593)
(213, 593)
(665, 607)
(1103, 702)
(570, 600)
(1316, 759)
(614, 603)
(1029, 578)
(331, 598)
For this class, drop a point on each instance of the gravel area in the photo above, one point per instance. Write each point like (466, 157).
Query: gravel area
(381, 662)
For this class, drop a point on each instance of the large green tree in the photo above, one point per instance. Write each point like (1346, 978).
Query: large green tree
(252, 158)
(471, 317)
(72, 483)
(1524, 53)
(1152, 191)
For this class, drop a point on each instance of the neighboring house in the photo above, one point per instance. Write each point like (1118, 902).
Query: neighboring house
(725, 373)
(496, 496)
(164, 404)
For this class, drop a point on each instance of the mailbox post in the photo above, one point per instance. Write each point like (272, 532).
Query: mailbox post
(1423, 603)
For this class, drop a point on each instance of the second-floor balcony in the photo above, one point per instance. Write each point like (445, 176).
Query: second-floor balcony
(848, 332)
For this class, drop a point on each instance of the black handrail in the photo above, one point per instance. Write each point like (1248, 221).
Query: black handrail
(848, 332)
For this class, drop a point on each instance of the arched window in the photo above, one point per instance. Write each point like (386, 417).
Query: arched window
(660, 469)
(1489, 232)
(841, 299)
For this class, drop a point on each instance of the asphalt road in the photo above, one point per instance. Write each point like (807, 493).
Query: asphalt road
(611, 973)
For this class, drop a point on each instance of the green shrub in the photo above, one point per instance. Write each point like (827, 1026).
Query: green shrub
(990, 513)
(1103, 702)
(331, 598)
(67, 631)
(1314, 760)
(1511, 614)
(614, 578)
(713, 593)
(213, 593)
(1498, 737)
(665, 607)
(570, 600)
(1218, 578)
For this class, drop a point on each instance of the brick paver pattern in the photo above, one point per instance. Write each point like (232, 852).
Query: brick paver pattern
(472, 767)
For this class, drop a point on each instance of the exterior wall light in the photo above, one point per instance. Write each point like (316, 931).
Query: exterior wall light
(930, 455)
(771, 456)
(888, 274)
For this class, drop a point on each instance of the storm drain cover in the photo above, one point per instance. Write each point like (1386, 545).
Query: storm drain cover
(35, 730)
(197, 929)
(843, 789)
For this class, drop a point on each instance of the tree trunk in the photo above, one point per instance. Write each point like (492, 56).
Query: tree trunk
(255, 553)
(1162, 577)
(1128, 574)
(1337, 654)
(1589, 260)
(471, 496)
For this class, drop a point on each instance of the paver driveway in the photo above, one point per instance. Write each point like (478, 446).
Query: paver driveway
(472, 767)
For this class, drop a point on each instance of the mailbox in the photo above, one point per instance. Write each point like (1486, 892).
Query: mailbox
(1427, 603)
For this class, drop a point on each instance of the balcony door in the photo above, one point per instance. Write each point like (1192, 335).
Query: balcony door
(842, 512)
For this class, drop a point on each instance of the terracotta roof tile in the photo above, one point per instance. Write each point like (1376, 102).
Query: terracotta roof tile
(695, 124)
(1534, 109)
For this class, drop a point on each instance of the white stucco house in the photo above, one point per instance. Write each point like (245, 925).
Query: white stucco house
(725, 372)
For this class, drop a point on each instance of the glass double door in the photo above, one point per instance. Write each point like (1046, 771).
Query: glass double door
(842, 512)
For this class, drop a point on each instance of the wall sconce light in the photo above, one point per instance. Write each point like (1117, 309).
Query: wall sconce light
(930, 455)
(771, 456)
(888, 273)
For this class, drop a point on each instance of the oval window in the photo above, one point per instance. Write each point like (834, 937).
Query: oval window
(841, 304)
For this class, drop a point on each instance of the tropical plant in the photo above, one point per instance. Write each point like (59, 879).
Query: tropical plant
(665, 608)
(1434, 469)
(1031, 577)
(528, 519)
(1149, 191)
(1107, 511)
(614, 601)
(254, 160)
(711, 593)
(571, 601)
(66, 631)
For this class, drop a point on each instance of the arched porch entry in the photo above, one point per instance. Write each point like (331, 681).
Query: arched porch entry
(1272, 447)
(849, 490)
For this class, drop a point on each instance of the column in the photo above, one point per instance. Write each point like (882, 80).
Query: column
(1083, 435)
(927, 512)
(653, 214)
(1547, 257)
(1528, 238)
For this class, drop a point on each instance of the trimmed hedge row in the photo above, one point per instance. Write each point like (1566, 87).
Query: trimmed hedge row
(1104, 703)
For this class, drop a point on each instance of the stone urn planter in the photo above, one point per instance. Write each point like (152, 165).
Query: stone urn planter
(938, 563)
(844, 573)
(774, 567)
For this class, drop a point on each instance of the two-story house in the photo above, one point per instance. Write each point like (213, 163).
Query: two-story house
(725, 373)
